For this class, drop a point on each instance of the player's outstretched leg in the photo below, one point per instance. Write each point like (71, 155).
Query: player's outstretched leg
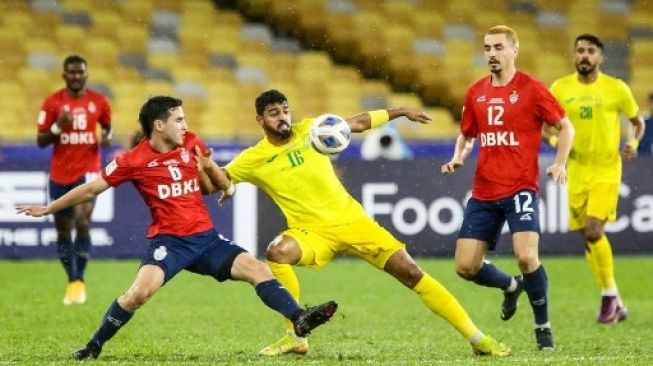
(510, 297)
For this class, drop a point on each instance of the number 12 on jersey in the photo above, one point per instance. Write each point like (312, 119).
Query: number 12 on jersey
(495, 115)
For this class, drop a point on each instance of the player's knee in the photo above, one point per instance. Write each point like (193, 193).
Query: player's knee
(466, 271)
(278, 252)
(135, 298)
(527, 262)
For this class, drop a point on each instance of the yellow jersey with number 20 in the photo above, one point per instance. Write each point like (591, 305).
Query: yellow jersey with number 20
(301, 181)
(594, 111)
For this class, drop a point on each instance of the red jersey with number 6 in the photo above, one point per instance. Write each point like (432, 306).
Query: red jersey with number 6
(76, 151)
(168, 183)
(507, 121)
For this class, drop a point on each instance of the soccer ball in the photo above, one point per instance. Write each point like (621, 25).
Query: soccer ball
(330, 134)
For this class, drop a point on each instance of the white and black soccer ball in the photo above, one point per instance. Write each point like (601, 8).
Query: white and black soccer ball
(330, 134)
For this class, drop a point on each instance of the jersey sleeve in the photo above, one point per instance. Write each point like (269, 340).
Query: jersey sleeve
(117, 171)
(546, 105)
(47, 115)
(628, 105)
(240, 168)
(469, 123)
(105, 112)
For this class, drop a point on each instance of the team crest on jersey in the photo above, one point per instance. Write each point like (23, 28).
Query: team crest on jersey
(185, 157)
(160, 253)
(152, 164)
(91, 107)
(514, 97)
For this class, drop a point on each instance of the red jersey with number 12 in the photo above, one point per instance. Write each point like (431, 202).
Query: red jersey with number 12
(507, 121)
(169, 184)
(76, 151)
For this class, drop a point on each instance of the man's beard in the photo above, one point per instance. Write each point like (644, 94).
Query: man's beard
(585, 71)
(282, 135)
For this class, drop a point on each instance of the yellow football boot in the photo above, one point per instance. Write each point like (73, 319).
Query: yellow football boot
(287, 344)
(488, 346)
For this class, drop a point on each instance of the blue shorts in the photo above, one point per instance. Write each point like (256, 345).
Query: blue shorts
(484, 220)
(206, 253)
(57, 190)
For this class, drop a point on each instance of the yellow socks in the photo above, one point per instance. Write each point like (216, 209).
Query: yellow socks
(288, 279)
(443, 303)
(600, 258)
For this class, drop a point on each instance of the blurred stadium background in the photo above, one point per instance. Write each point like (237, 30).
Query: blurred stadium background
(339, 56)
(326, 55)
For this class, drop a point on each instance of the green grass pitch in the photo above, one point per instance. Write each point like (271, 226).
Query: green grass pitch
(194, 320)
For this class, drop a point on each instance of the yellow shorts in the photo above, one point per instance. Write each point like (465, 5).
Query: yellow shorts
(363, 238)
(598, 200)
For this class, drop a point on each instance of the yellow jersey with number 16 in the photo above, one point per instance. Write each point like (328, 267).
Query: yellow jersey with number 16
(594, 111)
(301, 181)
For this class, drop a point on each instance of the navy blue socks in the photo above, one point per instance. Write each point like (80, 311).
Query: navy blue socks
(278, 299)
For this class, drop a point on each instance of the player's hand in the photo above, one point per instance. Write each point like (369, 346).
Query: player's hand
(32, 210)
(628, 153)
(65, 118)
(451, 166)
(106, 139)
(226, 194)
(203, 161)
(416, 115)
(557, 172)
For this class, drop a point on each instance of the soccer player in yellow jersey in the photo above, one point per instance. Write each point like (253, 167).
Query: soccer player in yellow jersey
(593, 101)
(324, 220)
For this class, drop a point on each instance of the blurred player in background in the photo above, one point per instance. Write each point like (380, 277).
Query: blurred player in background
(68, 120)
(163, 169)
(324, 220)
(593, 101)
(506, 111)
(646, 143)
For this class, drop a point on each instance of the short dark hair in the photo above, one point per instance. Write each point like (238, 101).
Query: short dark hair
(73, 59)
(272, 96)
(591, 39)
(156, 108)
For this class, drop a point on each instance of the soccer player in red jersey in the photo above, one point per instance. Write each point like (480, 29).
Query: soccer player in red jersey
(163, 169)
(506, 111)
(68, 120)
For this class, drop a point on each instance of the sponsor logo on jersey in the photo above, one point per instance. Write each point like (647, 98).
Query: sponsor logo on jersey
(177, 189)
(501, 138)
(496, 101)
(480, 99)
(526, 217)
(77, 138)
(111, 167)
(272, 158)
(171, 162)
(185, 157)
(514, 97)
(153, 164)
(160, 253)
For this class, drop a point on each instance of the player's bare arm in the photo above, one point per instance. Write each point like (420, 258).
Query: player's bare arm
(630, 147)
(217, 177)
(557, 170)
(365, 121)
(78, 195)
(464, 147)
(44, 139)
